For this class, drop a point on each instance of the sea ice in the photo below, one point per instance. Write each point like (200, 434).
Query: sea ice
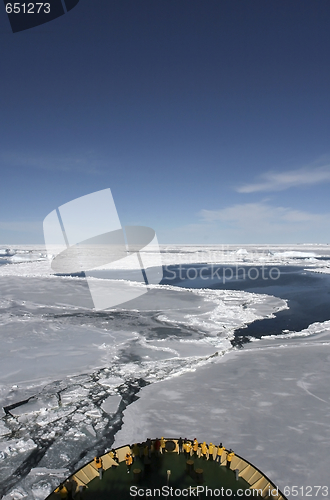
(82, 369)
(269, 403)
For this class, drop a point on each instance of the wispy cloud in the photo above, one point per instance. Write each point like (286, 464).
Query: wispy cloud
(251, 214)
(259, 223)
(279, 181)
(21, 226)
(84, 163)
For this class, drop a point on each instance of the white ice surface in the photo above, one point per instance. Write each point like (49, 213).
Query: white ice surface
(37, 348)
(271, 255)
(270, 403)
(324, 270)
(274, 401)
(110, 405)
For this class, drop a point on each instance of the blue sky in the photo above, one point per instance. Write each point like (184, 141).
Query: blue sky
(209, 120)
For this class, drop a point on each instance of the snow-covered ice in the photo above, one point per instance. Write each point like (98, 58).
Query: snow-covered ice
(69, 376)
(270, 403)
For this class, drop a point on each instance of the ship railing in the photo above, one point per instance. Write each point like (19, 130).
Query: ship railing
(256, 479)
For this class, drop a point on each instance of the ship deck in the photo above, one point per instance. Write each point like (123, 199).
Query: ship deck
(116, 482)
(169, 475)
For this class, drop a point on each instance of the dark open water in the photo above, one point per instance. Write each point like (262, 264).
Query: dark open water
(307, 293)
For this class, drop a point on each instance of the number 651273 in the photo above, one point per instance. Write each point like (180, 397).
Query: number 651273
(27, 8)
